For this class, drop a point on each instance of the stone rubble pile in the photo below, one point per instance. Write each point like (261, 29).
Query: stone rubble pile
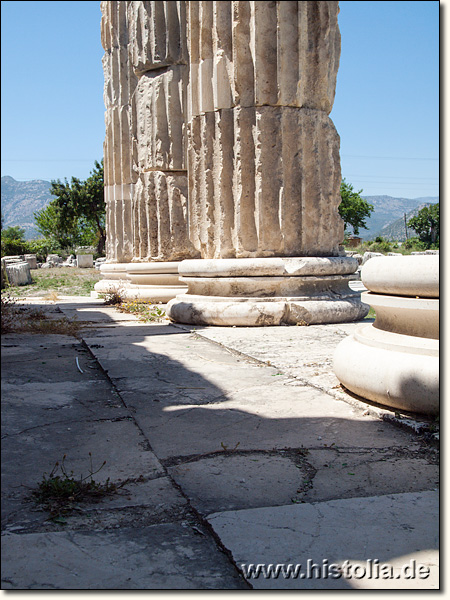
(52, 261)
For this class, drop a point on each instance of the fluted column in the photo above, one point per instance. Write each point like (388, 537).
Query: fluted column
(264, 167)
(158, 53)
(263, 153)
(150, 87)
(120, 83)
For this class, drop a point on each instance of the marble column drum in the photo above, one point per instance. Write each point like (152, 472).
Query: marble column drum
(264, 168)
(395, 361)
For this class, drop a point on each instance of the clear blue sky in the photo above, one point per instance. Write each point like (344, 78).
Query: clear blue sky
(386, 109)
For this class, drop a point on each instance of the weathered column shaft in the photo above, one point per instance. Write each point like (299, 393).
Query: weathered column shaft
(264, 169)
(120, 83)
(146, 72)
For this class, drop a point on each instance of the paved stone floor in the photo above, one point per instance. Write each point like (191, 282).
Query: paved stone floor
(237, 447)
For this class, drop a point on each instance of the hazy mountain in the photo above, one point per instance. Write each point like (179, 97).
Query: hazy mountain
(396, 229)
(20, 199)
(389, 209)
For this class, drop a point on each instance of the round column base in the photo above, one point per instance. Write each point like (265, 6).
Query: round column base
(260, 292)
(145, 282)
(261, 312)
(392, 369)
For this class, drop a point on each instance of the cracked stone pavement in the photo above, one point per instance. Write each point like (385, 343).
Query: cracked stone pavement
(235, 446)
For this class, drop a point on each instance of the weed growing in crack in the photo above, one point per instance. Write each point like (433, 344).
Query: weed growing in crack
(145, 311)
(227, 449)
(59, 492)
(114, 296)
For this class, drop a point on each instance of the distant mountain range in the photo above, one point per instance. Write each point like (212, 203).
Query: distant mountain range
(20, 199)
(396, 230)
(389, 210)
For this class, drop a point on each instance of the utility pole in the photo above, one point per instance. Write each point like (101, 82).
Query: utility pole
(406, 226)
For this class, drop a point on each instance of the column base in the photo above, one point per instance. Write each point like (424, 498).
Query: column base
(147, 282)
(395, 370)
(267, 291)
(395, 361)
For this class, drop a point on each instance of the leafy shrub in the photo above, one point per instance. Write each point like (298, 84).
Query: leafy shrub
(11, 247)
(416, 245)
(42, 247)
(381, 245)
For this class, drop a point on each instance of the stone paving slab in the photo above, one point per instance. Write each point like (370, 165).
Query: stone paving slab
(307, 351)
(119, 443)
(199, 426)
(182, 389)
(163, 556)
(394, 529)
(264, 422)
(234, 481)
(307, 355)
(351, 473)
(54, 405)
(95, 314)
(238, 480)
(61, 355)
(133, 328)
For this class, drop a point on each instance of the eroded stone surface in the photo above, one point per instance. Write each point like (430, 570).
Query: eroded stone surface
(278, 197)
(290, 59)
(160, 379)
(238, 481)
(324, 533)
(251, 311)
(145, 145)
(166, 556)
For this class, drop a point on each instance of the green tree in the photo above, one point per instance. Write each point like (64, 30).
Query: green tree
(13, 232)
(63, 233)
(353, 209)
(13, 241)
(83, 202)
(77, 214)
(426, 224)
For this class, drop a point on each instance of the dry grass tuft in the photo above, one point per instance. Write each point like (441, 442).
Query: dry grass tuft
(60, 492)
(24, 319)
(52, 296)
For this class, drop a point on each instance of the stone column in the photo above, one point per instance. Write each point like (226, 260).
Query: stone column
(147, 83)
(119, 176)
(264, 168)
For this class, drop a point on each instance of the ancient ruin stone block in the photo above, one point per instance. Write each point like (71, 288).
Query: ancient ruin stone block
(18, 273)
